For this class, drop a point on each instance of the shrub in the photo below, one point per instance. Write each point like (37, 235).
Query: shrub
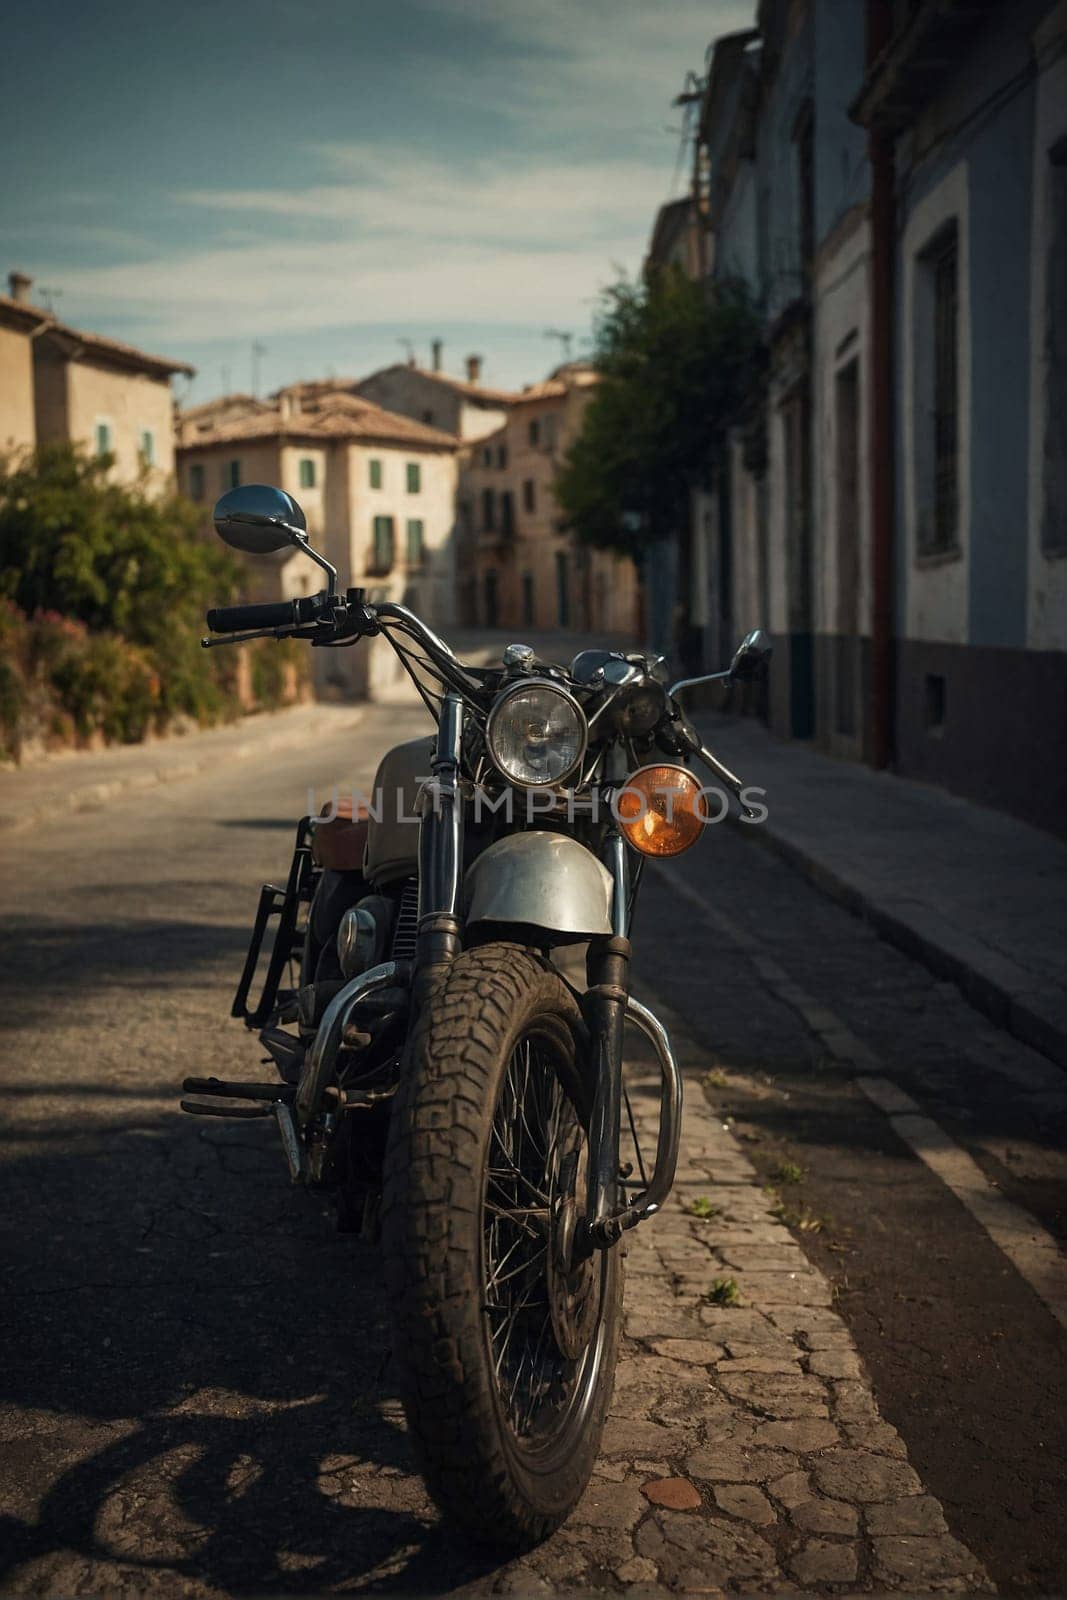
(102, 596)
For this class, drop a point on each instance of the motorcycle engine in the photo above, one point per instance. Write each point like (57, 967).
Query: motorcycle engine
(364, 934)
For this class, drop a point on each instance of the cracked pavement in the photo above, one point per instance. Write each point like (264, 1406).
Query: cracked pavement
(196, 1394)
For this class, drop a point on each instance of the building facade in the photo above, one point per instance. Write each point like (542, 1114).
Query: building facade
(520, 568)
(59, 384)
(378, 491)
(889, 179)
(460, 406)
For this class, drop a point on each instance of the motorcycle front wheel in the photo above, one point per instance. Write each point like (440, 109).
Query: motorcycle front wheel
(505, 1346)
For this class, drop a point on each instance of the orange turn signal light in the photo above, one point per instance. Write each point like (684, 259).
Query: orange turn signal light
(661, 810)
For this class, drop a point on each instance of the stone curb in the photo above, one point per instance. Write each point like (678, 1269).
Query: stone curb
(95, 796)
(745, 1450)
(1010, 997)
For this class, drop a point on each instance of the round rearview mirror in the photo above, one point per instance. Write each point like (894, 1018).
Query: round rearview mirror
(753, 654)
(258, 518)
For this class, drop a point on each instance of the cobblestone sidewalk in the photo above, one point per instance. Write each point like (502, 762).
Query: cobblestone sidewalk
(745, 1450)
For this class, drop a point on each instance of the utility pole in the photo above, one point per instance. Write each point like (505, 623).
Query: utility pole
(258, 351)
(409, 349)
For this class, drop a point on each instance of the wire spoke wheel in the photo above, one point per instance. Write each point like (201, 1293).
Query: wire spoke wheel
(506, 1345)
(535, 1158)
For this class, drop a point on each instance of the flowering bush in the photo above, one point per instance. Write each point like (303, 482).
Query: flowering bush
(102, 597)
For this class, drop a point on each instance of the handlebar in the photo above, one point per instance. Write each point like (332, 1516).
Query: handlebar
(273, 614)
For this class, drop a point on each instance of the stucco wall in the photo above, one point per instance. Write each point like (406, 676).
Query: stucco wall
(130, 403)
(17, 426)
(414, 394)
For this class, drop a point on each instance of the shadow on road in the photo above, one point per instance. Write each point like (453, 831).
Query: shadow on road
(196, 1395)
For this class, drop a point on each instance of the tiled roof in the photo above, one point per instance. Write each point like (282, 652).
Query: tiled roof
(95, 343)
(333, 417)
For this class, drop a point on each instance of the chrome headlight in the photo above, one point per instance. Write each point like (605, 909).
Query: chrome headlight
(536, 734)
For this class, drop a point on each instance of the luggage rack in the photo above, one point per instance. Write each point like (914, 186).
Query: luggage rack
(283, 904)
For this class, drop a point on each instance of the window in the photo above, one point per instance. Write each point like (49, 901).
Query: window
(375, 471)
(415, 547)
(501, 455)
(507, 514)
(529, 495)
(946, 404)
(196, 481)
(382, 553)
(103, 438)
(527, 600)
(534, 432)
(427, 417)
(937, 339)
(231, 475)
(487, 457)
(307, 472)
(414, 477)
(148, 447)
(488, 510)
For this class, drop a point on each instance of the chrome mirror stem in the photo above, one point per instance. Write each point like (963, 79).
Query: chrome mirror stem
(300, 539)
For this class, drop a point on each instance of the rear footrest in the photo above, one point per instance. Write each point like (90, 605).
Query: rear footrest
(264, 1095)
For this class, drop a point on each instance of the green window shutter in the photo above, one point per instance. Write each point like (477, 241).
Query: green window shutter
(375, 473)
(103, 438)
(231, 475)
(414, 477)
(196, 481)
(148, 447)
(307, 473)
(383, 544)
(415, 547)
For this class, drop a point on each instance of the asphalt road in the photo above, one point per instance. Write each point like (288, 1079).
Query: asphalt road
(194, 1359)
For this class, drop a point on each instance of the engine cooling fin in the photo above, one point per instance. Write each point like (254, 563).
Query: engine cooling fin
(405, 933)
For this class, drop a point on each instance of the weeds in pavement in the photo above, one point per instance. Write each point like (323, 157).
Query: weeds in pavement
(804, 1221)
(787, 1172)
(715, 1079)
(704, 1208)
(723, 1292)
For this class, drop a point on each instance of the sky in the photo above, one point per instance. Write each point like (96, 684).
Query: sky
(330, 178)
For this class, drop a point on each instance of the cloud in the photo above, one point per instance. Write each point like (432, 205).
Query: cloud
(399, 239)
(414, 229)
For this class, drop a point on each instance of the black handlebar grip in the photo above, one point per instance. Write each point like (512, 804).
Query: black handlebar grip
(275, 614)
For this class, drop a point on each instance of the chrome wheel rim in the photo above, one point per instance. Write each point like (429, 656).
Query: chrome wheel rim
(542, 1317)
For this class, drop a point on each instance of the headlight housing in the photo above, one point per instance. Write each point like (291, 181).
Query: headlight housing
(536, 734)
(662, 810)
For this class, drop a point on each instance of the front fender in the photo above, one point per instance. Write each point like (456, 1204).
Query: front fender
(544, 879)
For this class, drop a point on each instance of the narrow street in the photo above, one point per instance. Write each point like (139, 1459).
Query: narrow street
(197, 1396)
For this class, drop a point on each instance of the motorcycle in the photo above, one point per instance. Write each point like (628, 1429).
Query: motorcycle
(449, 1044)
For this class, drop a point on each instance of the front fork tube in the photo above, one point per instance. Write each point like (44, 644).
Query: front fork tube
(608, 974)
(441, 855)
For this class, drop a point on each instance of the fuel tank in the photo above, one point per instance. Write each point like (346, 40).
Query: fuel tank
(393, 834)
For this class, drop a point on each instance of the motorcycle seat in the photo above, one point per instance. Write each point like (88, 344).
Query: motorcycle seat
(339, 844)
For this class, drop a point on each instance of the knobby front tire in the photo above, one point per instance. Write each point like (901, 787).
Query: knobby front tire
(506, 1352)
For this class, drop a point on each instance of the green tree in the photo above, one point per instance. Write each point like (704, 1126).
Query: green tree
(115, 584)
(680, 363)
(74, 541)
